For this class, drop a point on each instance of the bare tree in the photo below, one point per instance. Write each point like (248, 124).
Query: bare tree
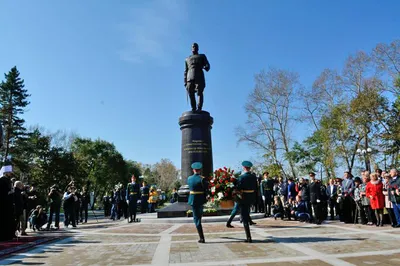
(387, 59)
(167, 174)
(269, 113)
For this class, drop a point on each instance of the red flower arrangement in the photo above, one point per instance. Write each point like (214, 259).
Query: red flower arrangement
(223, 185)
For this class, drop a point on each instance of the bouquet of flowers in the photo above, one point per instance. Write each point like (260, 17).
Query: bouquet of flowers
(223, 185)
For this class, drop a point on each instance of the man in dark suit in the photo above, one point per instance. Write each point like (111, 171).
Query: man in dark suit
(198, 187)
(331, 192)
(194, 76)
(247, 184)
(315, 198)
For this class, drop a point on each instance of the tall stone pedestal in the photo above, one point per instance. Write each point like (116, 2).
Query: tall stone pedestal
(196, 142)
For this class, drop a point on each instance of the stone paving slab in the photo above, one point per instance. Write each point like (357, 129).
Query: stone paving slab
(233, 235)
(353, 243)
(375, 260)
(290, 263)
(103, 255)
(215, 252)
(305, 231)
(140, 228)
(207, 228)
(102, 239)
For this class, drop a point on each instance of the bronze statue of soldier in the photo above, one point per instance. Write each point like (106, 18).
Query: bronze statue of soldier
(194, 76)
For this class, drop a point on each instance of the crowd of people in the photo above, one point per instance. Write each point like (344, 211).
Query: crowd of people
(372, 199)
(126, 201)
(26, 209)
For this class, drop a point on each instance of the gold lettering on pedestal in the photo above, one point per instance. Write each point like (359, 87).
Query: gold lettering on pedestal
(196, 146)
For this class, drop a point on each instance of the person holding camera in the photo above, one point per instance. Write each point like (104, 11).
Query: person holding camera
(55, 197)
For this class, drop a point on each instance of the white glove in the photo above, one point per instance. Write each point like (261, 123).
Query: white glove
(318, 201)
(127, 201)
(263, 197)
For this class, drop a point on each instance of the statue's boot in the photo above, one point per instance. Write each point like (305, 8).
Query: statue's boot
(193, 102)
(200, 101)
(248, 235)
(201, 234)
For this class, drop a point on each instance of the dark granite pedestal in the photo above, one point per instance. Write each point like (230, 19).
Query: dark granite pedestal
(196, 142)
(177, 209)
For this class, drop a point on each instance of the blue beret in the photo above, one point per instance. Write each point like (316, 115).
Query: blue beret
(247, 164)
(197, 165)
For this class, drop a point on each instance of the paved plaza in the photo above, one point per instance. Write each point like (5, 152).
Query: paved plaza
(153, 242)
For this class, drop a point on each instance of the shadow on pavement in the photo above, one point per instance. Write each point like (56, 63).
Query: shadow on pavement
(312, 239)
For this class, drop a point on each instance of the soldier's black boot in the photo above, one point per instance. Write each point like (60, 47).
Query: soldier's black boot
(248, 235)
(134, 218)
(201, 234)
(228, 223)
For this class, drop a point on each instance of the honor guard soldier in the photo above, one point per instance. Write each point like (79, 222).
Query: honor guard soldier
(132, 195)
(145, 190)
(247, 184)
(267, 192)
(235, 210)
(198, 187)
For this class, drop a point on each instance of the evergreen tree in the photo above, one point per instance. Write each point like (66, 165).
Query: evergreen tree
(13, 100)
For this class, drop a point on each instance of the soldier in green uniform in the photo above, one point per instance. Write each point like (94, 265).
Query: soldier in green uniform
(145, 190)
(132, 195)
(267, 192)
(247, 183)
(235, 210)
(198, 187)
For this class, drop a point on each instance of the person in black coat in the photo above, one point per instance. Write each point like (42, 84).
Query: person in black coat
(332, 194)
(315, 198)
(7, 221)
(85, 200)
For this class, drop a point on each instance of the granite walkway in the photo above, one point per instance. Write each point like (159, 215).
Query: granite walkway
(283, 242)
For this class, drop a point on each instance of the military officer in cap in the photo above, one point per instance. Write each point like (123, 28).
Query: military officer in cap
(198, 187)
(145, 190)
(132, 195)
(247, 184)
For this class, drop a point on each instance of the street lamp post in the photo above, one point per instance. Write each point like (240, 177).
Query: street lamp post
(365, 153)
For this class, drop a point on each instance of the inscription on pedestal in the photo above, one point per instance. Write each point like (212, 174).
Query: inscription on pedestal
(197, 146)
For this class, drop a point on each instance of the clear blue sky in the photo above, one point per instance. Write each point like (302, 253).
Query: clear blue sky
(114, 69)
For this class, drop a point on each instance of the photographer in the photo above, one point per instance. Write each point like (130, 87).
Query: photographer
(55, 197)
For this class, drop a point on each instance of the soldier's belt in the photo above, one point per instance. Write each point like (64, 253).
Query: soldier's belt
(248, 191)
(196, 192)
(132, 193)
(268, 189)
(145, 195)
